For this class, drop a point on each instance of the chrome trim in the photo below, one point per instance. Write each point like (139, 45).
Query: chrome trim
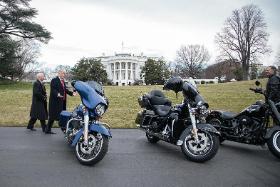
(179, 142)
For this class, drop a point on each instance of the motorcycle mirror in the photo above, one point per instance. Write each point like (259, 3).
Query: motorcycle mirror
(257, 83)
(73, 83)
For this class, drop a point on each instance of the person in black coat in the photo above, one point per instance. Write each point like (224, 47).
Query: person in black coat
(58, 98)
(273, 84)
(39, 104)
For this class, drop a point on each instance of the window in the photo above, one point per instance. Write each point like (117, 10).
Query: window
(112, 67)
(123, 65)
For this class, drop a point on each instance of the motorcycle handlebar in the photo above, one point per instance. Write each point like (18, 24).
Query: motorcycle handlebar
(257, 90)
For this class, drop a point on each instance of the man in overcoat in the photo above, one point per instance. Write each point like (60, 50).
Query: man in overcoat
(39, 104)
(58, 98)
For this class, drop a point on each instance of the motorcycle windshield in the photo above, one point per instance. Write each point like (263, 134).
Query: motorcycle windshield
(89, 95)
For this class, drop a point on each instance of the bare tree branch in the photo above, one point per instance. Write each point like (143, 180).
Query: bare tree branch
(244, 37)
(190, 60)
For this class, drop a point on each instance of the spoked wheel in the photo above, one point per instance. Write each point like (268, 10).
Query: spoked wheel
(151, 138)
(202, 150)
(95, 149)
(274, 144)
(215, 122)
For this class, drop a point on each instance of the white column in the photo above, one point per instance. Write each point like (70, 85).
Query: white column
(114, 75)
(136, 71)
(126, 73)
(131, 71)
(120, 68)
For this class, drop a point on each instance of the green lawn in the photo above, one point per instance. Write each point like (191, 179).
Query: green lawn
(15, 101)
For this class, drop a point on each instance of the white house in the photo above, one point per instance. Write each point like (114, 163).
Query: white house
(123, 68)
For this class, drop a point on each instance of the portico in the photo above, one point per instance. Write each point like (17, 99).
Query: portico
(123, 69)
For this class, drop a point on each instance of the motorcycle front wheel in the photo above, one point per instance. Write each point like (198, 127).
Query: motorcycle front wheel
(273, 144)
(152, 139)
(94, 150)
(202, 150)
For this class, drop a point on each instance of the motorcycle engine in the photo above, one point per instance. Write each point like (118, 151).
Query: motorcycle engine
(73, 128)
(246, 125)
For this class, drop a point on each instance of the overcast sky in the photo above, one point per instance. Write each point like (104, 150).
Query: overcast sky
(88, 28)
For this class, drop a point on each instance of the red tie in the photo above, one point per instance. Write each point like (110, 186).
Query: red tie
(62, 83)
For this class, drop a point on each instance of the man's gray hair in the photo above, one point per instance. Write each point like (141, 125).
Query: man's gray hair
(38, 75)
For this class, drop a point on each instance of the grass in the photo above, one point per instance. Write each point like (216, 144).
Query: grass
(15, 101)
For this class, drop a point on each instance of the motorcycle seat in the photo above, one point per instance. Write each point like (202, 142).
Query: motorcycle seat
(162, 110)
(156, 97)
(228, 115)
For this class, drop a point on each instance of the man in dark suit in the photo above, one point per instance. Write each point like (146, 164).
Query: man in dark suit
(58, 98)
(39, 104)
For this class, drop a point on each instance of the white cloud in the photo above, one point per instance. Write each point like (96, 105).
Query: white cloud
(84, 28)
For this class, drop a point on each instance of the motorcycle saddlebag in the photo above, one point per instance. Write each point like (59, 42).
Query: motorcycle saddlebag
(144, 101)
(64, 118)
(139, 118)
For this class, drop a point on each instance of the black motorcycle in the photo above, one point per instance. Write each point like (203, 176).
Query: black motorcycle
(252, 125)
(183, 125)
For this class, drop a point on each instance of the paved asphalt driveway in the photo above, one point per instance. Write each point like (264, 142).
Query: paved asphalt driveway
(35, 159)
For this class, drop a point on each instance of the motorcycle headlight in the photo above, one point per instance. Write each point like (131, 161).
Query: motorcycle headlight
(100, 109)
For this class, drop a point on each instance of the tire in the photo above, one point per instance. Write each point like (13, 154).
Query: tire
(91, 155)
(152, 139)
(202, 152)
(217, 124)
(273, 144)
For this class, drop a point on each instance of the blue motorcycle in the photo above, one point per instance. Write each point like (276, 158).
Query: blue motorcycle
(82, 127)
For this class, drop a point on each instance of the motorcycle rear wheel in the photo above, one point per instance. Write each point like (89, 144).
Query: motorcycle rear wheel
(273, 144)
(94, 151)
(203, 151)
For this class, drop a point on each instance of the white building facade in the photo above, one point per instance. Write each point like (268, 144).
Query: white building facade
(124, 68)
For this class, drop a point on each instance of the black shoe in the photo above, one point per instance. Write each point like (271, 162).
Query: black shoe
(50, 132)
(32, 129)
(44, 128)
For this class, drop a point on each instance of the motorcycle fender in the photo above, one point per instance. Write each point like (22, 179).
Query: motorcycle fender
(270, 131)
(95, 127)
(202, 126)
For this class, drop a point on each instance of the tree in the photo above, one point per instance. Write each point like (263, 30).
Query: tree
(244, 37)
(155, 72)
(190, 60)
(16, 57)
(226, 68)
(17, 30)
(27, 54)
(90, 69)
(15, 20)
(8, 49)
